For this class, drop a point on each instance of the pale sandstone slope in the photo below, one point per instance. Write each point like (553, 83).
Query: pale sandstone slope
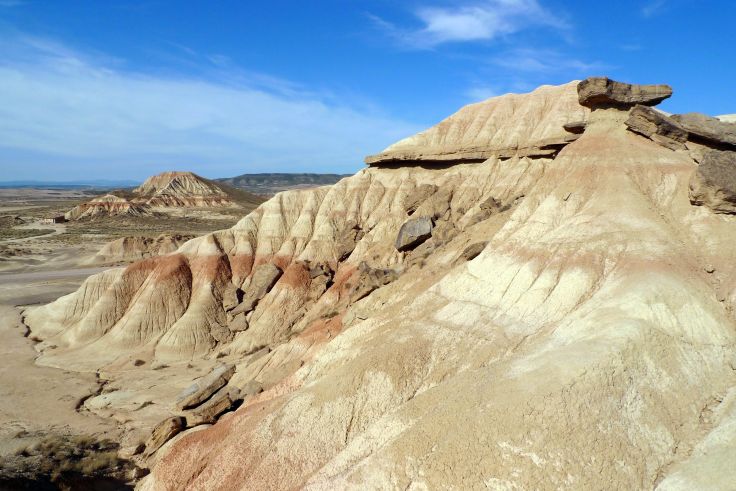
(513, 123)
(590, 344)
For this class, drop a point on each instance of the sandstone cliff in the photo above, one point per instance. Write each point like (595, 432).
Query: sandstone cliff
(567, 322)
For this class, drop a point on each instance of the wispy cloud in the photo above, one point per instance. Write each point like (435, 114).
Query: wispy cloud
(66, 108)
(546, 61)
(483, 20)
(11, 3)
(653, 7)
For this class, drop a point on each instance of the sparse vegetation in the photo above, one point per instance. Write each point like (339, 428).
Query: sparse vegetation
(22, 233)
(65, 462)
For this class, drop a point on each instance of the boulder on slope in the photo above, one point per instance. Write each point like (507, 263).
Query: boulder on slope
(714, 183)
(163, 432)
(601, 92)
(205, 386)
(264, 278)
(711, 131)
(220, 402)
(657, 127)
(413, 232)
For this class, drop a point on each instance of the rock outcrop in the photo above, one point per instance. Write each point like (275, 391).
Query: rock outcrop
(602, 303)
(106, 206)
(710, 131)
(714, 183)
(163, 432)
(133, 248)
(481, 131)
(657, 126)
(204, 387)
(597, 92)
(413, 232)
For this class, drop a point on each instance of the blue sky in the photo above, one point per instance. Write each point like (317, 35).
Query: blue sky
(121, 89)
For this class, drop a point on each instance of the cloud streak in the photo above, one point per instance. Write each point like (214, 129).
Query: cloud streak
(479, 21)
(86, 113)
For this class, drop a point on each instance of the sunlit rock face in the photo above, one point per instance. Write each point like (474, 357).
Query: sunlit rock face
(587, 341)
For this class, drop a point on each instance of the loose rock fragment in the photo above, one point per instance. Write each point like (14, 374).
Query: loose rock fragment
(219, 403)
(163, 432)
(264, 278)
(657, 127)
(204, 387)
(714, 183)
(413, 232)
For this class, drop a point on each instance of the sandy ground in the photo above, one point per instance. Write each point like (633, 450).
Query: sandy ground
(37, 401)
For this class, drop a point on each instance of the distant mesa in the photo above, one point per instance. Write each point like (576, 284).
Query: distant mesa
(162, 193)
(268, 184)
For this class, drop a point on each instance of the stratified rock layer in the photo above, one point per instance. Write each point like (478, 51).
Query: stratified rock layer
(596, 92)
(482, 130)
(588, 343)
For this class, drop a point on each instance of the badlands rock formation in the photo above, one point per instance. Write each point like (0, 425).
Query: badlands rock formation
(134, 248)
(568, 324)
(162, 193)
(105, 206)
(181, 189)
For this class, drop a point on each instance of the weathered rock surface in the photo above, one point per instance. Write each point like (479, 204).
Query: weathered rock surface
(413, 232)
(163, 432)
(219, 403)
(135, 248)
(238, 323)
(657, 127)
(473, 250)
(370, 279)
(710, 131)
(481, 131)
(264, 278)
(596, 92)
(590, 311)
(204, 387)
(576, 127)
(107, 205)
(714, 183)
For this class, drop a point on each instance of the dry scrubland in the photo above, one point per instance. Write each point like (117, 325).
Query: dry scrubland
(536, 293)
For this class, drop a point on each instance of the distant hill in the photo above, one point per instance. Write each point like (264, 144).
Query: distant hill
(271, 183)
(166, 191)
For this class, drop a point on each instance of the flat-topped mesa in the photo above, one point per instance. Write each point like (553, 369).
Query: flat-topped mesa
(510, 125)
(602, 92)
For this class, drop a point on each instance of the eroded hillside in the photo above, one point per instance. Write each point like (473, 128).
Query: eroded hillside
(535, 293)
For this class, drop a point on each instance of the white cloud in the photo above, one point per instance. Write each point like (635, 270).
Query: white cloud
(546, 61)
(478, 21)
(87, 113)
